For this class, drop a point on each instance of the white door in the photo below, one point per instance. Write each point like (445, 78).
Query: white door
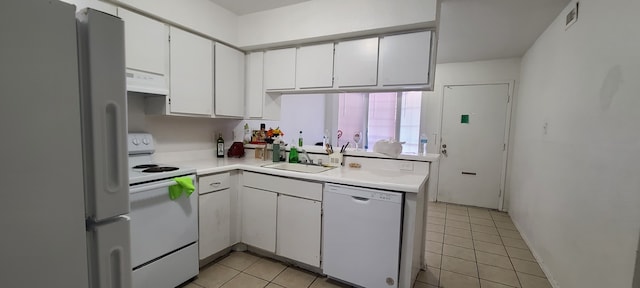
(229, 81)
(473, 144)
(214, 225)
(314, 66)
(298, 229)
(259, 210)
(280, 69)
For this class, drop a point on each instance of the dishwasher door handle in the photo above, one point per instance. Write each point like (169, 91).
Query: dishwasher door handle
(360, 199)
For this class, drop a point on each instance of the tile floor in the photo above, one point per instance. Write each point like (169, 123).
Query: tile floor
(246, 270)
(470, 247)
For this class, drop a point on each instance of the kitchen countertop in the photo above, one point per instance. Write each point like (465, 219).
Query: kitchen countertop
(394, 180)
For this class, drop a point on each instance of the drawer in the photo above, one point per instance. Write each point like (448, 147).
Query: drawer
(292, 187)
(213, 182)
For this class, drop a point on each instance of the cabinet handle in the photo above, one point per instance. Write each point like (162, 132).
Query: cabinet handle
(215, 184)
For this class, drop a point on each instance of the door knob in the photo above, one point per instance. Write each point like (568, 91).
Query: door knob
(444, 151)
(444, 146)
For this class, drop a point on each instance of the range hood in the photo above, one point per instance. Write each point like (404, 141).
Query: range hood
(144, 82)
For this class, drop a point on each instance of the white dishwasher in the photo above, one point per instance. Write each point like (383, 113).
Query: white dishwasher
(361, 235)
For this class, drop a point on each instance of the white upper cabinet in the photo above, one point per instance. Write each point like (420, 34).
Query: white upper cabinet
(280, 69)
(314, 66)
(229, 81)
(357, 63)
(191, 73)
(254, 88)
(145, 42)
(405, 59)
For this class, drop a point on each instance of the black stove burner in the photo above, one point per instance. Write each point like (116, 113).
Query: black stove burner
(159, 169)
(144, 166)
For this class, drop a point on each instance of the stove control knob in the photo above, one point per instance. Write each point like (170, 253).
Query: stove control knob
(135, 141)
(145, 141)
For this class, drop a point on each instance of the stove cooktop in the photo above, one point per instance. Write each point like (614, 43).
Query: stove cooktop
(154, 172)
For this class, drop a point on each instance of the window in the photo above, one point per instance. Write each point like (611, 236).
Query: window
(378, 116)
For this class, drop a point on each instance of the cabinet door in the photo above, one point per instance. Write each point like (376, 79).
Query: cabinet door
(145, 42)
(299, 227)
(405, 59)
(229, 81)
(254, 89)
(259, 218)
(214, 222)
(280, 69)
(357, 63)
(191, 73)
(314, 66)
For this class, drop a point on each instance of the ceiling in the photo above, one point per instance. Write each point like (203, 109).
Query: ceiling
(470, 30)
(474, 30)
(241, 7)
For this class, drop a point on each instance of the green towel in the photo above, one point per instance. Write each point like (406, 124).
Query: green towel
(185, 184)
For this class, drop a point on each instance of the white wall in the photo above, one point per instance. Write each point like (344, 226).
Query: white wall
(95, 4)
(575, 190)
(202, 16)
(315, 20)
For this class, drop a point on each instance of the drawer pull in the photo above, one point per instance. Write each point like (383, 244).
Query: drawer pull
(215, 184)
(468, 173)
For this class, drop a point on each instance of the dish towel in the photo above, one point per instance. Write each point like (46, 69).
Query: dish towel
(185, 185)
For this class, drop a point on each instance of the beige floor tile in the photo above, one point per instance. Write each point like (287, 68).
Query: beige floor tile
(527, 267)
(435, 228)
(271, 285)
(215, 275)
(266, 269)
(435, 220)
(294, 278)
(509, 233)
(456, 207)
(239, 260)
(423, 285)
(323, 282)
(523, 254)
(480, 221)
(192, 285)
(494, 260)
(450, 230)
(435, 214)
(486, 237)
(484, 229)
(530, 281)
(455, 280)
(433, 247)
(490, 248)
(458, 224)
(433, 259)
(459, 252)
(458, 241)
(501, 217)
(435, 236)
(430, 276)
(457, 212)
(489, 284)
(461, 266)
(461, 218)
(506, 225)
(496, 274)
(245, 281)
(437, 204)
(483, 214)
(512, 242)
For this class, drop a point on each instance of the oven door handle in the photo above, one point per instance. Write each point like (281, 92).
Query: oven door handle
(153, 186)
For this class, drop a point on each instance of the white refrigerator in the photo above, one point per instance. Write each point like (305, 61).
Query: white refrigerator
(64, 193)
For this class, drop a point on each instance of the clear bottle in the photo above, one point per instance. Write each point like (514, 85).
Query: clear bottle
(422, 149)
(220, 146)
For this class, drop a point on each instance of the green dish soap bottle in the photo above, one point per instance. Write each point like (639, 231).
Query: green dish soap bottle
(293, 153)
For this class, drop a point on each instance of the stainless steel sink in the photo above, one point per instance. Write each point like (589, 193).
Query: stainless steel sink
(298, 167)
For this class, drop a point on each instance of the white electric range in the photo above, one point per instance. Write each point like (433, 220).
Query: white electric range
(164, 232)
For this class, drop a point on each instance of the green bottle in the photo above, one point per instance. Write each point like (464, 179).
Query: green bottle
(293, 154)
(300, 140)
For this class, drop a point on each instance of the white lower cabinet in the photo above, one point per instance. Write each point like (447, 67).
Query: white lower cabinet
(259, 210)
(298, 230)
(214, 225)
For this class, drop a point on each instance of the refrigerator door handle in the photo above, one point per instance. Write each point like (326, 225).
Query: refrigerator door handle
(112, 261)
(114, 130)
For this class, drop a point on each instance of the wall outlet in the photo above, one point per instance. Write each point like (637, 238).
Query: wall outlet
(406, 166)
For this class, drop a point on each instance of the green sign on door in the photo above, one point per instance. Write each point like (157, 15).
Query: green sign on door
(464, 119)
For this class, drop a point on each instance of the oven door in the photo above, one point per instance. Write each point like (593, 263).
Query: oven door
(160, 225)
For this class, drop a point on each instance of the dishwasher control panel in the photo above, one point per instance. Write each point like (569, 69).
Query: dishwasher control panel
(365, 193)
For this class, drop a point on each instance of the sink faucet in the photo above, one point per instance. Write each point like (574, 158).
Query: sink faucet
(306, 155)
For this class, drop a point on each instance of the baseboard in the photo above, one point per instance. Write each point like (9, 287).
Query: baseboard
(543, 266)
